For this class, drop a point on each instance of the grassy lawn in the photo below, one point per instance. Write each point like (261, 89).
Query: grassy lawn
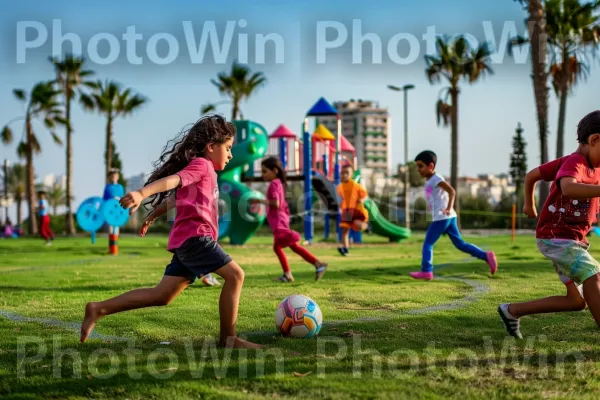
(385, 335)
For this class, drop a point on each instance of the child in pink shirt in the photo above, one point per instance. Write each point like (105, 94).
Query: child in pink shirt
(186, 172)
(278, 216)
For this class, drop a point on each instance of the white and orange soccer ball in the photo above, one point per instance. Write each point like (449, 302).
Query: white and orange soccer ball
(299, 317)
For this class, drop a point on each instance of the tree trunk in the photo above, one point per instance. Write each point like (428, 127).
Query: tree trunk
(19, 214)
(539, 42)
(454, 145)
(560, 139)
(236, 109)
(564, 92)
(69, 225)
(29, 176)
(108, 144)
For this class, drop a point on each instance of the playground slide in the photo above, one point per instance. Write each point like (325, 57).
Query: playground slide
(326, 190)
(238, 219)
(379, 224)
(382, 226)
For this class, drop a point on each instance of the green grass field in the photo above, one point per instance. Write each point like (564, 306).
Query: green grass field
(385, 335)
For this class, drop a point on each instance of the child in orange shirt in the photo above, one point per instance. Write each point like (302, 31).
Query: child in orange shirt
(354, 215)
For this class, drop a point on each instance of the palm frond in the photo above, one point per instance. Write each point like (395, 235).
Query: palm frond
(19, 94)
(22, 150)
(208, 108)
(56, 138)
(7, 135)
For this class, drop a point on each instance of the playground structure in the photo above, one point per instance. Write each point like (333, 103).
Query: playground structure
(238, 218)
(317, 165)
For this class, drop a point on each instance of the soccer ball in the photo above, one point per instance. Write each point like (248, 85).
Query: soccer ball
(298, 316)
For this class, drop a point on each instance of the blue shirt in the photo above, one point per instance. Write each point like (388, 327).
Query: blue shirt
(43, 208)
(113, 190)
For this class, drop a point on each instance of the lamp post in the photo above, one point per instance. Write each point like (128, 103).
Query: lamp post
(405, 89)
(6, 167)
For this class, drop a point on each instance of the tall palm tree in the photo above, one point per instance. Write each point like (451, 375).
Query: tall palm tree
(110, 99)
(238, 85)
(40, 103)
(71, 78)
(455, 60)
(573, 30)
(57, 196)
(16, 181)
(536, 23)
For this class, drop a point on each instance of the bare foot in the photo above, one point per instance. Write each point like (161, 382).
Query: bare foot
(89, 321)
(238, 343)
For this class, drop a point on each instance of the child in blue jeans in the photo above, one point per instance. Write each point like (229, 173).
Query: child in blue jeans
(440, 199)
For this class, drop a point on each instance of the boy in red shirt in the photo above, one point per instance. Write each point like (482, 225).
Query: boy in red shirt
(565, 220)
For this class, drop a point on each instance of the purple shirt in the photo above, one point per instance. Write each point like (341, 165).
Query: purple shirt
(196, 203)
(278, 218)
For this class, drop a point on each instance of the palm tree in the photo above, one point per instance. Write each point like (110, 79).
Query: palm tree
(572, 30)
(240, 84)
(40, 103)
(16, 186)
(536, 22)
(56, 195)
(71, 77)
(113, 101)
(455, 60)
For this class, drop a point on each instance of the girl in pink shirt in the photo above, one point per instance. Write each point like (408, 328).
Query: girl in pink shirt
(278, 216)
(186, 176)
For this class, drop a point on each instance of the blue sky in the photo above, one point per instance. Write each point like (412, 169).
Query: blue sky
(489, 110)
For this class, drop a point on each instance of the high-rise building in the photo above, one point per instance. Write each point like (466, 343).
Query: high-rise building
(367, 127)
(135, 182)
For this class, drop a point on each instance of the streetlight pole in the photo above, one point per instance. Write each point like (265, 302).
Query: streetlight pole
(405, 89)
(6, 166)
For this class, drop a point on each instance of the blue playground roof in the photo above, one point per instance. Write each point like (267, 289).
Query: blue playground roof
(322, 107)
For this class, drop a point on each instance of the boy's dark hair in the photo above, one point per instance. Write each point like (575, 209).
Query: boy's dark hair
(347, 166)
(272, 163)
(589, 125)
(112, 171)
(427, 157)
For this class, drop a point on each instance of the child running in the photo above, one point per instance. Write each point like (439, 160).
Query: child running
(566, 218)
(440, 199)
(44, 214)
(278, 216)
(186, 171)
(354, 215)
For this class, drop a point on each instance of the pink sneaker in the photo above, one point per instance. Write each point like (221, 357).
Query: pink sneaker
(490, 258)
(422, 275)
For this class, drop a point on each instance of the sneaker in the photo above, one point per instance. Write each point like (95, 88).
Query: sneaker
(210, 280)
(320, 271)
(511, 324)
(284, 279)
(344, 251)
(490, 258)
(48, 243)
(422, 275)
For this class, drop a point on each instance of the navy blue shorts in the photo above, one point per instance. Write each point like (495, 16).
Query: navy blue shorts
(196, 257)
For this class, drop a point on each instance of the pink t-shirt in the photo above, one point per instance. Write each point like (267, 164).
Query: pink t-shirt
(196, 203)
(278, 218)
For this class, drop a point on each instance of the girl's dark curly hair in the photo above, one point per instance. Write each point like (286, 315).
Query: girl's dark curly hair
(187, 145)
